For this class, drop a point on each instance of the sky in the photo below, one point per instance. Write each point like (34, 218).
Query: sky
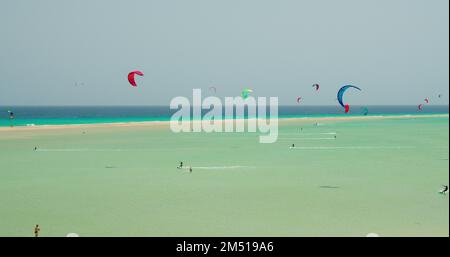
(59, 52)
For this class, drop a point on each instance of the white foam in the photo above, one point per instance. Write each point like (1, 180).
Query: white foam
(350, 147)
(307, 138)
(221, 167)
(84, 150)
(308, 134)
(216, 167)
(109, 150)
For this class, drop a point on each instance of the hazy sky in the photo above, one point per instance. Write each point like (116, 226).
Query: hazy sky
(397, 51)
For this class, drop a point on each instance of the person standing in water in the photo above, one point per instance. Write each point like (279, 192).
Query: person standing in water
(11, 119)
(444, 190)
(37, 229)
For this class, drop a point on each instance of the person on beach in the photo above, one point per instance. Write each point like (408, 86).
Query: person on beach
(37, 229)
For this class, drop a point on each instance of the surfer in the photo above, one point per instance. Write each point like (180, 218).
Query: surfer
(181, 165)
(36, 230)
(293, 146)
(444, 190)
(35, 148)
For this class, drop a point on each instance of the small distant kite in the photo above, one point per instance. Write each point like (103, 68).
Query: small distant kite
(365, 111)
(299, 99)
(420, 107)
(213, 89)
(427, 100)
(440, 95)
(131, 77)
(317, 86)
(246, 93)
(347, 108)
(340, 96)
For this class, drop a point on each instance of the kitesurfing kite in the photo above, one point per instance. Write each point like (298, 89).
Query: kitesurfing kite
(427, 100)
(365, 111)
(340, 96)
(246, 93)
(213, 89)
(131, 77)
(420, 107)
(440, 95)
(299, 99)
(317, 86)
(347, 108)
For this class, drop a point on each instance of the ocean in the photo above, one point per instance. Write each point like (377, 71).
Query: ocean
(346, 177)
(63, 115)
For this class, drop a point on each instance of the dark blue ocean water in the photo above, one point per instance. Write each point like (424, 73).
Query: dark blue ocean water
(42, 115)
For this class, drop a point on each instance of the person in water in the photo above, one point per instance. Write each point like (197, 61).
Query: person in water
(181, 165)
(37, 229)
(444, 190)
(293, 146)
(190, 169)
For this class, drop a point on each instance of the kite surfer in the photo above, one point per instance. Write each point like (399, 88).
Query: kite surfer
(11, 119)
(37, 229)
(181, 165)
(444, 190)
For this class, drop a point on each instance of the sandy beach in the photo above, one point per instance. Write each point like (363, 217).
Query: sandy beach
(166, 123)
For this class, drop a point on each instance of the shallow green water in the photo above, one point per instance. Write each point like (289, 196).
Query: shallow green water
(378, 176)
